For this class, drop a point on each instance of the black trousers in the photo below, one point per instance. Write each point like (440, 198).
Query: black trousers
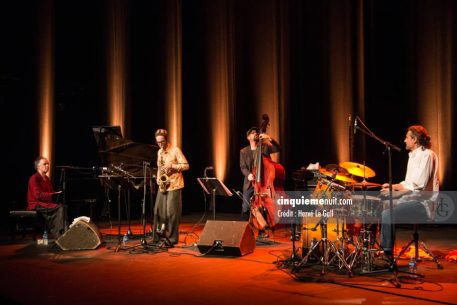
(54, 218)
(167, 214)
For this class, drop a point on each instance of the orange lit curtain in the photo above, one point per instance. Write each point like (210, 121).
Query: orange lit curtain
(219, 65)
(433, 73)
(346, 70)
(46, 80)
(116, 65)
(173, 70)
(269, 65)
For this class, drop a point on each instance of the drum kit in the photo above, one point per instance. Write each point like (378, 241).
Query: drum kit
(347, 238)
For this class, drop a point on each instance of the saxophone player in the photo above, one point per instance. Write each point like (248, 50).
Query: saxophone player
(171, 162)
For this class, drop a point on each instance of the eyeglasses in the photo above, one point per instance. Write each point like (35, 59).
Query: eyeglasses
(161, 142)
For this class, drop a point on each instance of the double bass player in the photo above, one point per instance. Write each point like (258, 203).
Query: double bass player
(247, 164)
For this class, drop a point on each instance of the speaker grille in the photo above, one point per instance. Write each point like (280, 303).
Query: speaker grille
(81, 236)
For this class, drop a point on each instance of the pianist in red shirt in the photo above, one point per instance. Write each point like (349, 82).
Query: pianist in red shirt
(40, 198)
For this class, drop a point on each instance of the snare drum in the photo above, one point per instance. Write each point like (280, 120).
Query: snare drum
(372, 207)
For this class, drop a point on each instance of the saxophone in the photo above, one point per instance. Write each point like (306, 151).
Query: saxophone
(164, 180)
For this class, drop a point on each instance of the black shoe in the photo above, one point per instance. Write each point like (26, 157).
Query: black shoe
(262, 234)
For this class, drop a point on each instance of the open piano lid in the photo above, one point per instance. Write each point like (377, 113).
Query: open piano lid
(118, 151)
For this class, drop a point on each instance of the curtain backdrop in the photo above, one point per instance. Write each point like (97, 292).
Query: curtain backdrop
(208, 70)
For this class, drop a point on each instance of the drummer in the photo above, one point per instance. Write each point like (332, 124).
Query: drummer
(421, 175)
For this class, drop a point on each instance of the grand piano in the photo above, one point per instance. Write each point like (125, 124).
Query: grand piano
(125, 165)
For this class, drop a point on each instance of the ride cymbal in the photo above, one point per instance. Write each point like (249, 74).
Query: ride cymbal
(358, 170)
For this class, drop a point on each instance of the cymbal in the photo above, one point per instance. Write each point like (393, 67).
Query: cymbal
(335, 167)
(357, 169)
(337, 177)
(366, 184)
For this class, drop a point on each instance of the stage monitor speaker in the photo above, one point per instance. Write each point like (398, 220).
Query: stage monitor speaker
(226, 238)
(81, 236)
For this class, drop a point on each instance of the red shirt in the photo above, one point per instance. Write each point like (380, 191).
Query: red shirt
(40, 192)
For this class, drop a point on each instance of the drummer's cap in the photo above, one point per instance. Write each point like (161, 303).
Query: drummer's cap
(251, 130)
(162, 132)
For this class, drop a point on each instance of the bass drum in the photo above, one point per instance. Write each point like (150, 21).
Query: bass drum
(312, 231)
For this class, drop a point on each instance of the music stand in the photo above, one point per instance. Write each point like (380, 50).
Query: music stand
(213, 186)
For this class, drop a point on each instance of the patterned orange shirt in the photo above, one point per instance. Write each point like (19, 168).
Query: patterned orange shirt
(174, 156)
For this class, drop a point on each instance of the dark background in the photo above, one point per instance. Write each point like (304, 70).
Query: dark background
(80, 85)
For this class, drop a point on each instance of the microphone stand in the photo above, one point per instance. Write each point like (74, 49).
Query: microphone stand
(143, 206)
(63, 183)
(351, 138)
(389, 146)
(143, 246)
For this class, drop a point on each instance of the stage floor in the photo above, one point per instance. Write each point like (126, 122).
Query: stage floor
(36, 274)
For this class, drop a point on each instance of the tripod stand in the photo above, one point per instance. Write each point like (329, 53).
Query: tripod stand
(415, 241)
(294, 258)
(365, 248)
(366, 241)
(120, 245)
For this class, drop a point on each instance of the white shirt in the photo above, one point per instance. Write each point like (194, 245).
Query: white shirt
(422, 171)
(422, 179)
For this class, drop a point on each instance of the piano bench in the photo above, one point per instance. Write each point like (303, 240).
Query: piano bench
(23, 221)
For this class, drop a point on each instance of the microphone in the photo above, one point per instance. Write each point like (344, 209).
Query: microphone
(355, 125)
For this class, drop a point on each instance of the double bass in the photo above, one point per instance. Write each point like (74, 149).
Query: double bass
(269, 178)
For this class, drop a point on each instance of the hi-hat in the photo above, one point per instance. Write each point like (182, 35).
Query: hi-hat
(366, 184)
(336, 169)
(337, 176)
(358, 170)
